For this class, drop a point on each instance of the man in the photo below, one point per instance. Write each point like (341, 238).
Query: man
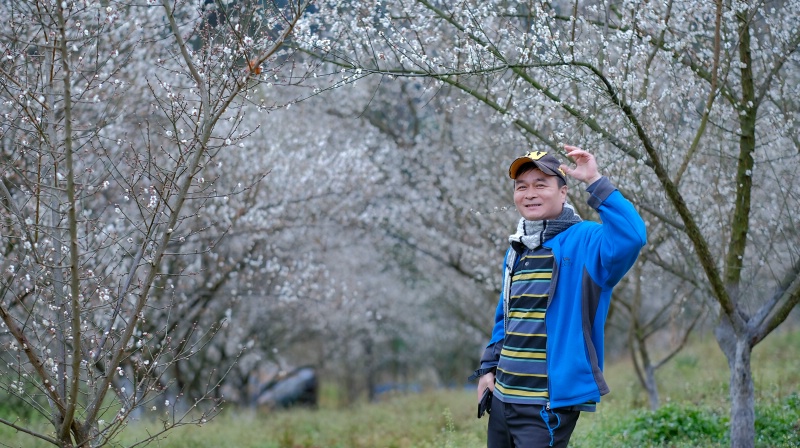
(544, 362)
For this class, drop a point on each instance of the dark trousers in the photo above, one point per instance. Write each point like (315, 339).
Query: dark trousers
(529, 426)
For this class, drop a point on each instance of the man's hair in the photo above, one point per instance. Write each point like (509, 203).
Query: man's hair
(529, 166)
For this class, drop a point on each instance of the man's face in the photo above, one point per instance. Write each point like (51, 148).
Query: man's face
(537, 195)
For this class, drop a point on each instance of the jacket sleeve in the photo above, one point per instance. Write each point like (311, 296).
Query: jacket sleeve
(622, 234)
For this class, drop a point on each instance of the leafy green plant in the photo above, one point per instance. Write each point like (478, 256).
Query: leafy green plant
(779, 424)
(673, 424)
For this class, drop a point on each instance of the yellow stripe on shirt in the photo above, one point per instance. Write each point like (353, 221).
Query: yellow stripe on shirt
(526, 314)
(520, 393)
(533, 276)
(528, 355)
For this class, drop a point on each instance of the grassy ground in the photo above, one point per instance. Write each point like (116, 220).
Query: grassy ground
(694, 413)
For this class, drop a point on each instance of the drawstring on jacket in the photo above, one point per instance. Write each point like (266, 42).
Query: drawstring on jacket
(546, 419)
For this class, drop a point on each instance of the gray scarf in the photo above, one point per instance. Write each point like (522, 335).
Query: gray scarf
(532, 234)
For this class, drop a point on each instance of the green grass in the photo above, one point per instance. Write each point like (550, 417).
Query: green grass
(438, 419)
(694, 412)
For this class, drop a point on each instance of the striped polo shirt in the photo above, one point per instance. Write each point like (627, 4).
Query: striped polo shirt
(522, 369)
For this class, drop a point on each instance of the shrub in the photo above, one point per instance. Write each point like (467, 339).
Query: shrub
(672, 424)
(778, 425)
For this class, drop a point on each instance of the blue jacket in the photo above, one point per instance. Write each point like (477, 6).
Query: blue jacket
(589, 259)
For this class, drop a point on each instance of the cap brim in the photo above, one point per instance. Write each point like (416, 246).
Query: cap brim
(512, 170)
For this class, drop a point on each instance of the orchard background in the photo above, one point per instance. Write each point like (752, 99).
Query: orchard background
(199, 197)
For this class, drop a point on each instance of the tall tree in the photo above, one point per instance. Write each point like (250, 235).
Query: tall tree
(691, 105)
(116, 116)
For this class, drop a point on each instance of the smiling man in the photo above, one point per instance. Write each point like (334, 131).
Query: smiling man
(544, 362)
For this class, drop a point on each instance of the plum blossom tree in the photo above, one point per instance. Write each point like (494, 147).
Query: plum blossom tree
(115, 122)
(690, 107)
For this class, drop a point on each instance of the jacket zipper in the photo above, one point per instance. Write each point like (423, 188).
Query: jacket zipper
(553, 281)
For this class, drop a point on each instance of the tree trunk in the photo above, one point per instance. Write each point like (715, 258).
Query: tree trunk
(370, 369)
(738, 351)
(743, 416)
(652, 387)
